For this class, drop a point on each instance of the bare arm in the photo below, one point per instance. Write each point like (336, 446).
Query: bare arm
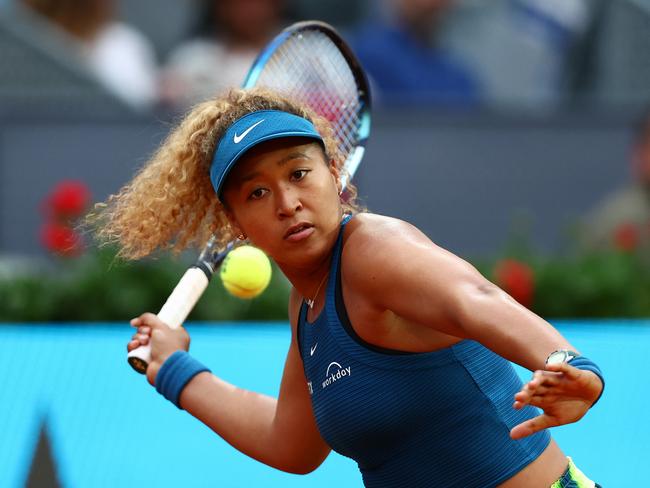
(401, 270)
(280, 432)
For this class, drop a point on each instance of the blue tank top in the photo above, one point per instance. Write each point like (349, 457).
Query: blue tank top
(436, 419)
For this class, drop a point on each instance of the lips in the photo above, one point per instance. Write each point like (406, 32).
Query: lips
(299, 231)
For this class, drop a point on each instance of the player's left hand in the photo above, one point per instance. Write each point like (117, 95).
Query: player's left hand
(563, 392)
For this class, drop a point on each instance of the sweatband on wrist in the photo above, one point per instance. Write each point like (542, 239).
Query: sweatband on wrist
(175, 374)
(586, 364)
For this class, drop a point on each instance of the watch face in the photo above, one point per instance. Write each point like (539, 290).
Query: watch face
(557, 357)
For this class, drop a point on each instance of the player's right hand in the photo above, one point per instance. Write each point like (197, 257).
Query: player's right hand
(164, 341)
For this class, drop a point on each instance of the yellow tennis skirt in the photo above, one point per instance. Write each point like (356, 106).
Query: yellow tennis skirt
(574, 478)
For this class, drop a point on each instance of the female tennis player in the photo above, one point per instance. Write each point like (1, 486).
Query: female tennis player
(399, 350)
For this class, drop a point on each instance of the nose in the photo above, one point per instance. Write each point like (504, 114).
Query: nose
(287, 202)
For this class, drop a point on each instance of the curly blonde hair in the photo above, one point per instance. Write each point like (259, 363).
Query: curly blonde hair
(170, 203)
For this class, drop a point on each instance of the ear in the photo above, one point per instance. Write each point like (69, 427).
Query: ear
(336, 174)
(234, 224)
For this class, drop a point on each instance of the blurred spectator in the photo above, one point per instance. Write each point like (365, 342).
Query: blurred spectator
(120, 57)
(227, 41)
(405, 61)
(526, 53)
(618, 70)
(622, 219)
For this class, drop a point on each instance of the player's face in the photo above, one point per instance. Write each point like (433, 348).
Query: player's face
(284, 196)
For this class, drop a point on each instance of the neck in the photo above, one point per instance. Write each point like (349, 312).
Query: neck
(307, 277)
(309, 282)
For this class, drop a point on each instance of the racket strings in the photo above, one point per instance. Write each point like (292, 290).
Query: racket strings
(309, 67)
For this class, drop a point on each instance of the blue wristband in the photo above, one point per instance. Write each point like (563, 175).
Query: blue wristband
(586, 364)
(175, 373)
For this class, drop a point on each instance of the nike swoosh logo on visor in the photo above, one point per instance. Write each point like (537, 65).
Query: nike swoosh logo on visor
(237, 139)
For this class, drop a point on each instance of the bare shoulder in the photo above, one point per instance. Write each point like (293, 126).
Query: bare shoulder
(378, 229)
(373, 244)
(381, 252)
(372, 237)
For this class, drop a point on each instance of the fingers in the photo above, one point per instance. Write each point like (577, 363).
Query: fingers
(532, 393)
(133, 344)
(526, 396)
(540, 401)
(531, 426)
(136, 341)
(147, 319)
(140, 338)
(566, 369)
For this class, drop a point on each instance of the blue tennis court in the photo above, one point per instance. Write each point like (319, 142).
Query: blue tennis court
(108, 428)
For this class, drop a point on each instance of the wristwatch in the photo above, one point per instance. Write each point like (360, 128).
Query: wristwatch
(561, 356)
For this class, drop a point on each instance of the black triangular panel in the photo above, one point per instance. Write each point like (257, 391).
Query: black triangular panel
(42, 473)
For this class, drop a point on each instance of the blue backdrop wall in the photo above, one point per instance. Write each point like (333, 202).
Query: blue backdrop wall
(107, 427)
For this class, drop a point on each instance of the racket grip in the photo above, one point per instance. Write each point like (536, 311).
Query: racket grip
(139, 358)
(174, 312)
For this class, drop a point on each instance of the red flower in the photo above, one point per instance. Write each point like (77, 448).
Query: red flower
(69, 199)
(517, 279)
(626, 237)
(61, 239)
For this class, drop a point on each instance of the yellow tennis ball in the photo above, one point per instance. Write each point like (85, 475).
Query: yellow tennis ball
(246, 272)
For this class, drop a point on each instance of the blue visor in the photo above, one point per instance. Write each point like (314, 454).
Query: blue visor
(249, 131)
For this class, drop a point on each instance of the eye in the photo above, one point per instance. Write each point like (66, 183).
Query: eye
(257, 194)
(299, 174)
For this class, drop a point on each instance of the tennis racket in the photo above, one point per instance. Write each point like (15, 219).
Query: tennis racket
(311, 63)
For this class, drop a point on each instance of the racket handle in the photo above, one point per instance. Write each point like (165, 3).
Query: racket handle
(139, 358)
(174, 312)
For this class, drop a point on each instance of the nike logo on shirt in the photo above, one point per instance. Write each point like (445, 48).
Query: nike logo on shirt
(237, 139)
(312, 349)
